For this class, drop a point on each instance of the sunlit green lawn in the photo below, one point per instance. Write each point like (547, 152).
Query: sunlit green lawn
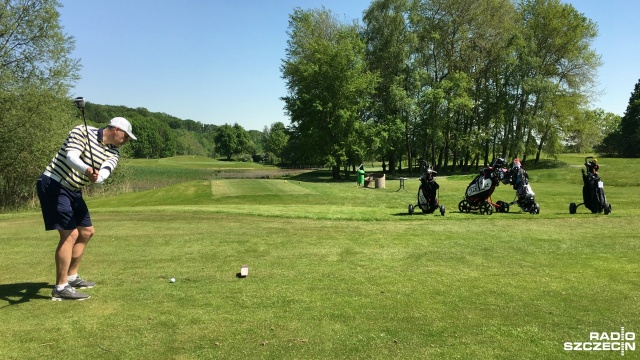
(335, 271)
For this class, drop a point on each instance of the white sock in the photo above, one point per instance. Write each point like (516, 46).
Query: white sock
(71, 278)
(61, 287)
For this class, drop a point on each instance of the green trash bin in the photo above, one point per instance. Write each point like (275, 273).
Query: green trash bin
(360, 177)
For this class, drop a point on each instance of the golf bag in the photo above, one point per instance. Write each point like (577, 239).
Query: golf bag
(525, 198)
(593, 195)
(478, 193)
(427, 192)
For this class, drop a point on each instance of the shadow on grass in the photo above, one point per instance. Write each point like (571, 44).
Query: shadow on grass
(406, 213)
(417, 214)
(20, 293)
(320, 176)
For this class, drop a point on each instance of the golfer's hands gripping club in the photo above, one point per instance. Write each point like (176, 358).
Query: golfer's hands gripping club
(92, 174)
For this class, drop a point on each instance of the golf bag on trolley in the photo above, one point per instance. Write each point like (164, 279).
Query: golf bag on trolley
(478, 193)
(427, 192)
(525, 198)
(593, 195)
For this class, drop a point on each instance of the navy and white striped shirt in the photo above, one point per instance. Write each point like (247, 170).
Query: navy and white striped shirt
(105, 157)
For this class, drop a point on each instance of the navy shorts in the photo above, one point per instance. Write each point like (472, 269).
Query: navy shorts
(62, 209)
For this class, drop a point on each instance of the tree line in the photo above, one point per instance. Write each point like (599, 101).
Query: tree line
(161, 135)
(454, 82)
(624, 139)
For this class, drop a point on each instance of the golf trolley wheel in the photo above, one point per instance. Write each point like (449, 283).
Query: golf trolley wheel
(487, 209)
(607, 209)
(502, 207)
(535, 209)
(442, 210)
(573, 208)
(463, 206)
(411, 209)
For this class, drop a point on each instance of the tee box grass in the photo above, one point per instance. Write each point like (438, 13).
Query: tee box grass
(337, 271)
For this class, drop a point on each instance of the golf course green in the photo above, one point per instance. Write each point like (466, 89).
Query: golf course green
(335, 270)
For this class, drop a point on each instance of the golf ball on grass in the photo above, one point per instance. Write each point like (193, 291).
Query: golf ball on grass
(172, 280)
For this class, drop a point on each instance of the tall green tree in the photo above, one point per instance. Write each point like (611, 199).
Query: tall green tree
(630, 126)
(36, 72)
(233, 140)
(390, 47)
(461, 46)
(499, 77)
(188, 143)
(245, 145)
(625, 140)
(589, 128)
(256, 137)
(556, 65)
(226, 141)
(155, 138)
(328, 84)
(277, 138)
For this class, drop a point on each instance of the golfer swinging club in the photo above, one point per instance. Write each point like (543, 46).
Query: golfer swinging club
(88, 155)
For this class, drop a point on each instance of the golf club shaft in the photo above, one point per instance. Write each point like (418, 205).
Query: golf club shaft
(88, 139)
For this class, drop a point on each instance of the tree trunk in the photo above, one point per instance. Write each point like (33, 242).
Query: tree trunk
(538, 153)
(493, 153)
(392, 164)
(409, 151)
(486, 152)
(446, 156)
(335, 170)
(542, 140)
(454, 163)
(433, 154)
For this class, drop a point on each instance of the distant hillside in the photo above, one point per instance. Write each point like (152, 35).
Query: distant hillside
(101, 114)
(162, 135)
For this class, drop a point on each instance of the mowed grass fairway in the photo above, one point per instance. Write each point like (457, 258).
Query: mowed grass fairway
(335, 271)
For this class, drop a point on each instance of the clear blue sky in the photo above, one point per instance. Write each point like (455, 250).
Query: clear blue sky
(218, 61)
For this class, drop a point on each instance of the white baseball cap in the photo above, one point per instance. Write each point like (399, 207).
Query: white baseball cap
(123, 124)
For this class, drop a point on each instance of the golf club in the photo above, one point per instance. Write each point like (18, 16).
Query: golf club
(79, 101)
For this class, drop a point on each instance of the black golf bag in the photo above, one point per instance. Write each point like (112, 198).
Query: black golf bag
(478, 193)
(525, 198)
(593, 195)
(427, 192)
